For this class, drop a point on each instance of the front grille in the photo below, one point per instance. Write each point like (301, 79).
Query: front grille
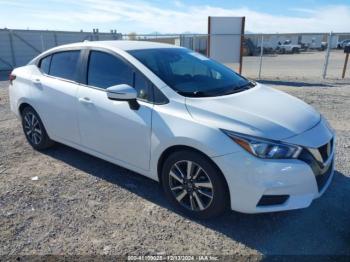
(316, 159)
(326, 150)
(323, 151)
(322, 179)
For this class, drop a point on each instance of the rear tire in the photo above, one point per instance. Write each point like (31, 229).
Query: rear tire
(34, 129)
(194, 185)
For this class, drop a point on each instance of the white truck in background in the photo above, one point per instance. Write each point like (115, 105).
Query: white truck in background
(287, 47)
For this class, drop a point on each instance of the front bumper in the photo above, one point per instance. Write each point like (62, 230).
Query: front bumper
(254, 181)
(250, 178)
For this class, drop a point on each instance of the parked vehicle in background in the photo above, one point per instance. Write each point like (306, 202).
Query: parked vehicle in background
(249, 49)
(324, 46)
(313, 46)
(288, 47)
(312, 43)
(212, 138)
(343, 43)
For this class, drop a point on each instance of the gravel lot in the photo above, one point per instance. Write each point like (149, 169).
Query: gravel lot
(81, 205)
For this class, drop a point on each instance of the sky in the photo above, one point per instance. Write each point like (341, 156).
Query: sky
(175, 16)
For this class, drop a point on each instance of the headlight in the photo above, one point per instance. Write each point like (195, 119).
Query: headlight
(265, 148)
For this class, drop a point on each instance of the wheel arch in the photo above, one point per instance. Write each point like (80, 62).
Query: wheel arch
(176, 148)
(24, 105)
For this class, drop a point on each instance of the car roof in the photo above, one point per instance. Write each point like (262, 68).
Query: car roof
(113, 45)
(121, 44)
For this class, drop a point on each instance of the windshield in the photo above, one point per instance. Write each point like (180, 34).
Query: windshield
(190, 73)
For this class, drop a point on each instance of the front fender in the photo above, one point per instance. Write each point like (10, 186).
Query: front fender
(180, 129)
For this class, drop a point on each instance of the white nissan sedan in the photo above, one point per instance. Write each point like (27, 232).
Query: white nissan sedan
(212, 138)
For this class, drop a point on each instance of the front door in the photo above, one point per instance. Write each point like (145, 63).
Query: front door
(109, 127)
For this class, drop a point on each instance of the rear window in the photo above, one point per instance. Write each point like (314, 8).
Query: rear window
(64, 64)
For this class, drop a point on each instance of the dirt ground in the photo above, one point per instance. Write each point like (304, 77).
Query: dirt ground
(81, 205)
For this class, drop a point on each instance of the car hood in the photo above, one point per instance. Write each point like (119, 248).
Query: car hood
(260, 111)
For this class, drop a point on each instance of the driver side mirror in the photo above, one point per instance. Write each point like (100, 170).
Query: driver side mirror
(123, 92)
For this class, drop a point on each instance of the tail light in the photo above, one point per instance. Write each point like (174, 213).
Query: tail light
(11, 78)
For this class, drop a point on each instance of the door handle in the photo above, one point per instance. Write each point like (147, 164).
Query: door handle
(36, 81)
(85, 100)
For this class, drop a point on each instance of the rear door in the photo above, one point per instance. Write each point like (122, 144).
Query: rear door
(55, 89)
(109, 127)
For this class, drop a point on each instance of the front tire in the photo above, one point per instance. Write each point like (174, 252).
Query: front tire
(34, 129)
(194, 185)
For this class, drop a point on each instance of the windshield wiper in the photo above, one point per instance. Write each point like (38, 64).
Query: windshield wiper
(196, 93)
(249, 84)
(241, 88)
(199, 93)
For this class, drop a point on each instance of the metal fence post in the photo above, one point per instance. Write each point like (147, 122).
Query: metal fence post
(261, 54)
(194, 43)
(55, 38)
(13, 55)
(327, 56)
(42, 42)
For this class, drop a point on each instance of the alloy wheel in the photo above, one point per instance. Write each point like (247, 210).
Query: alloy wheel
(32, 128)
(190, 185)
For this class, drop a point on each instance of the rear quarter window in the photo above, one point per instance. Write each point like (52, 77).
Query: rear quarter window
(44, 64)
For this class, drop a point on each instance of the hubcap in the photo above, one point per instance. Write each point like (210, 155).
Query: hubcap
(191, 185)
(32, 128)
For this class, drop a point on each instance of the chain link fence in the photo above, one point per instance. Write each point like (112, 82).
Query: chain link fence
(307, 56)
(304, 57)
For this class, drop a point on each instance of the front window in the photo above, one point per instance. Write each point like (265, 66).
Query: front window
(106, 70)
(190, 73)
